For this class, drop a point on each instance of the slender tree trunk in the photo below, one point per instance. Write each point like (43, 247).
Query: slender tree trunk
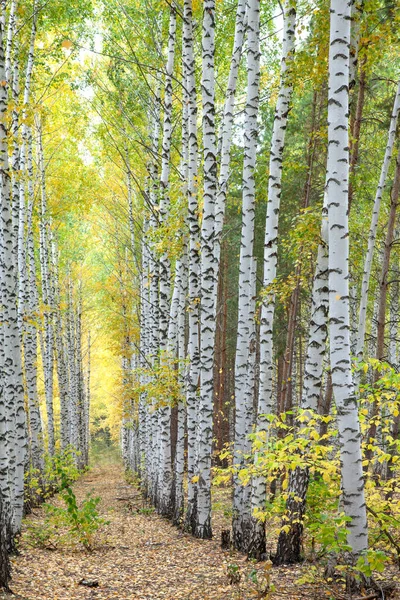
(88, 397)
(209, 280)
(355, 131)
(144, 415)
(80, 383)
(13, 392)
(72, 381)
(227, 126)
(47, 299)
(154, 319)
(179, 298)
(176, 348)
(180, 439)
(244, 370)
(265, 396)
(290, 540)
(382, 304)
(286, 387)
(362, 313)
(194, 268)
(36, 442)
(165, 490)
(339, 327)
(5, 441)
(61, 359)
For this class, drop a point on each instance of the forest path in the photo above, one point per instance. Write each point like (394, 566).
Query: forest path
(140, 556)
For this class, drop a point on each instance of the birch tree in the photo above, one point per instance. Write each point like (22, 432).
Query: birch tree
(13, 391)
(265, 399)
(194, 264)
(165, 506)
(225, 136)
(244, 370)
(339, 310)
(47, 299)
(208, 275)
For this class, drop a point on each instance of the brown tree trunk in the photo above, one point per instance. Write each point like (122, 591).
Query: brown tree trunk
(383, 292)
(290, 543)
(391, 467)
(355, 128)
(287, 368)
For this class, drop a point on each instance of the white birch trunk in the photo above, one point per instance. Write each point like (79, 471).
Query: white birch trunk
(194, 266)
(165, 489)
(48, 345)
(174, 346)
(339, 313)
(144, 420)
(72, 382)
(88, 397)
(60, 350)
(6, 444)
(208, 276)
(241, 522)
(80, 382)
(13, 390)
(180, 439)
(36, 441)
(394, 312)
(12, 22)
(179, 299)
(265, 393)
(226, 127)
(154, 274)
(23, 289)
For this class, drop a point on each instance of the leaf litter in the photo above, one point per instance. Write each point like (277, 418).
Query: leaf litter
(141, 556)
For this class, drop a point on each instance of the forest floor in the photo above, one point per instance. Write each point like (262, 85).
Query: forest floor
(141, 556)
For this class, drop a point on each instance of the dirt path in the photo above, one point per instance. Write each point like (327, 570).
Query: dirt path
(141, 557)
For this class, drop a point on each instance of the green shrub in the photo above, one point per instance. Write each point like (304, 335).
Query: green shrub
(68, 522)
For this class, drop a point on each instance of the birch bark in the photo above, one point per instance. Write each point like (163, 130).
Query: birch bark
(154, 274)
(23, 285)
(241, 522)
(12, 363)
(208, 276)
(194, 266)
(339, 313)
(165, 490)
(47, 299)
(36, 441)
(265, 392)
(227, 126)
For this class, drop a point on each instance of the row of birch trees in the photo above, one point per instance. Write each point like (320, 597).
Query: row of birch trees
(211, 129)
(44, 354)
